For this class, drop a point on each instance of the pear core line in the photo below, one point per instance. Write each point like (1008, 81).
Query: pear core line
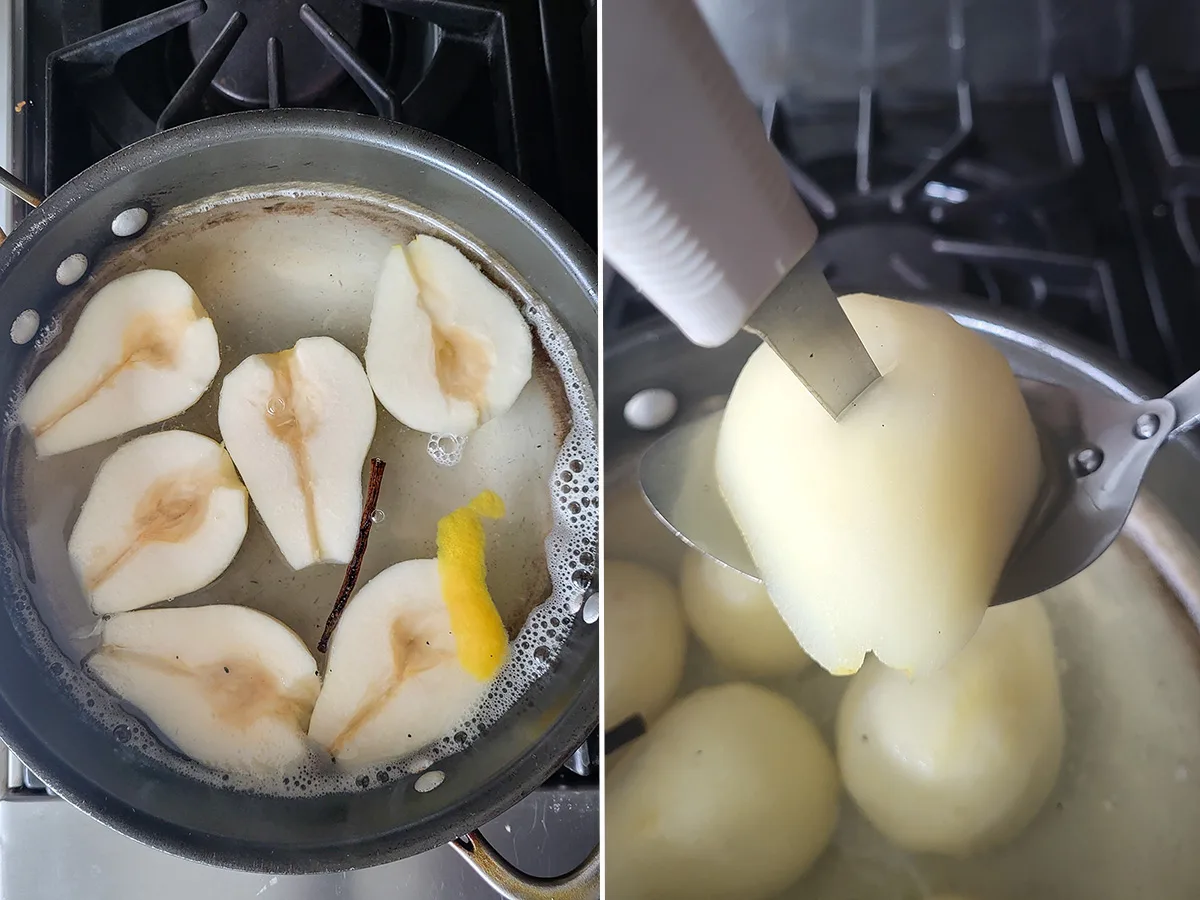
(291, 419)
(149, 339)
(171, 510)
(462, 360)
(240, 691)
(409, 657)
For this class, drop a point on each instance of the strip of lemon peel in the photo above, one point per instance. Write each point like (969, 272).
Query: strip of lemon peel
(478, 631)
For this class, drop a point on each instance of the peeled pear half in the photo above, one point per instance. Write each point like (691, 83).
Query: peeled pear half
(447, 349)
(887, 529)
(298, 425)
(731, 795)
(232, 687)
(395, 681)
(165, 516)
(142, 351)
(960, 760)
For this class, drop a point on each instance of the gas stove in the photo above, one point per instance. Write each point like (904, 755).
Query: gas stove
(513, 80)
(1081, 209)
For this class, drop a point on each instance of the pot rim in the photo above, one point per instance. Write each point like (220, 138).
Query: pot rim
(436, 151)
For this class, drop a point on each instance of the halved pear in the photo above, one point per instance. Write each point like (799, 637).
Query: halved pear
(887, 529)
(142, 351)
(394, 681)
(447, 349)
(232, 687)
(165, 516)
(298, 425)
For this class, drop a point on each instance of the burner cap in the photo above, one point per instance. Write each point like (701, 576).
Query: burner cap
(894, 260)
(309, 72)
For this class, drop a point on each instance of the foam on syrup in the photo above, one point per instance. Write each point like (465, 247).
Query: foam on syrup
(446, 449)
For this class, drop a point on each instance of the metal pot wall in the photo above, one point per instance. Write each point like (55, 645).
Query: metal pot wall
(514, 235)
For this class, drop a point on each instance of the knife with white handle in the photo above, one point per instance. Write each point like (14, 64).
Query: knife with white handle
(699, 214)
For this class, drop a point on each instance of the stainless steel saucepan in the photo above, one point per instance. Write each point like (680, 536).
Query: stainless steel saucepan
(271, 211)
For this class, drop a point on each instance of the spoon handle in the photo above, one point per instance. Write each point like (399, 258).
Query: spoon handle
(1186, 400)
(699, 213)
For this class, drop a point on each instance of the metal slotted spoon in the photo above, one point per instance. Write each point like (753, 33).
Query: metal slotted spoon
(1095, 452)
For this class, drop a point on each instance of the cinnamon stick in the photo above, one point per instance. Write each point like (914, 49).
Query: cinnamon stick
(360, 550)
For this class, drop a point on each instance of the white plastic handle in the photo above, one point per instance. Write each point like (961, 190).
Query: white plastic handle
(699, 213)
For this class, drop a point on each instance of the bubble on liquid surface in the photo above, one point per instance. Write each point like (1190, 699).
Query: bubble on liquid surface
(378, 516)
(446, 449)
(276, 406)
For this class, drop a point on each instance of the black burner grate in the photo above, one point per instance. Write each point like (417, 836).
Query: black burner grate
(1085, 213)
(506, 79)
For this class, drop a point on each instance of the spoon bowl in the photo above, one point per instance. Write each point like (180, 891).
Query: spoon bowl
(1095, 451)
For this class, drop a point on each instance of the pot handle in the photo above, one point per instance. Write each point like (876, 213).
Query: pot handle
(15, 186)
(583, 883)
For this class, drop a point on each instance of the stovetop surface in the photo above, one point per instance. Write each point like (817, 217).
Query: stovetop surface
(1080, 210)
(513, 80)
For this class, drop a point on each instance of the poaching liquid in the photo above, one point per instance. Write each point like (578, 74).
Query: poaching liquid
(285, 263)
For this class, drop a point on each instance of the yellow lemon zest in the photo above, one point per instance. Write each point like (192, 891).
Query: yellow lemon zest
(478, 630)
